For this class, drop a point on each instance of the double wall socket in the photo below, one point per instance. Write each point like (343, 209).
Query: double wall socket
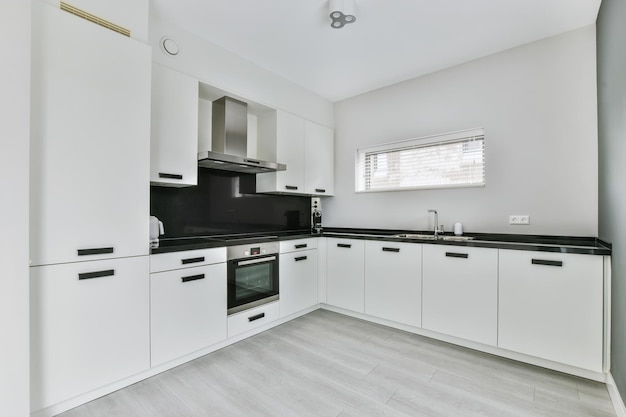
(522, 219)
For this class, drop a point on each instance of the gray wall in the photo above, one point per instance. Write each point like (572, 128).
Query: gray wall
(14, 148)
(537, 104)
(612, 169)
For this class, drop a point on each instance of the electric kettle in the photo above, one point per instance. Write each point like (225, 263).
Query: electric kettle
(156, 230)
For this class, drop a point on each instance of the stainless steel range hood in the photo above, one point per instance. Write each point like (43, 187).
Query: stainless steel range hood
(230, 141)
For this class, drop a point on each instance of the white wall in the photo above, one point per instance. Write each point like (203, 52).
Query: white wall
(220, 68)
(537, 104)
(14, 147)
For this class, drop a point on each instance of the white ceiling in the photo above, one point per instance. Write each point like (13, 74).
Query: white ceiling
(391, 40)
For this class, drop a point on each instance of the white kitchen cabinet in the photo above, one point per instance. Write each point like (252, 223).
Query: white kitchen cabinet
(319, 159)
(298, 263)
(306, 148)
(345, 273)
(460, 292)
(186, 259)
(187, 311)
(90, 326)
(174, 128)
(90, 124)
(281, 139)
(393, 281)
(551, 306)
(253, 318)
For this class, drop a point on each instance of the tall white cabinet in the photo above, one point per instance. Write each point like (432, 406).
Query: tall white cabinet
(89, 206)
(90, 141)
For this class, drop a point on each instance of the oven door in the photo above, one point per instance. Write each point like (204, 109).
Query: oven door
(252, 282)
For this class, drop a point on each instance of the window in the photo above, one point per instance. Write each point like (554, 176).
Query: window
(450, 160)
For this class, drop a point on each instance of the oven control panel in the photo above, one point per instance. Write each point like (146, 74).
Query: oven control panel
(247, 251)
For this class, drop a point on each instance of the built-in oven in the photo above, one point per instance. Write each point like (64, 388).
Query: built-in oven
(252, 275)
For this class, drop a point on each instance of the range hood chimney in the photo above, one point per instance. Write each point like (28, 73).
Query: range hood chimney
(229, 141)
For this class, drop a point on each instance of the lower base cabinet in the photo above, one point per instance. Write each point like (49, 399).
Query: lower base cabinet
(90, 326)
(188, 311)
(551, 306)
(393, 281)
(460, 292)
(298, 281)
(345, 269)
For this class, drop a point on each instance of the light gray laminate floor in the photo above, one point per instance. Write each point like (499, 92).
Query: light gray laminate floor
(327, 364)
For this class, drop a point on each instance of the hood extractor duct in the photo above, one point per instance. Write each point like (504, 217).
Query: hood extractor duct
(229, 141)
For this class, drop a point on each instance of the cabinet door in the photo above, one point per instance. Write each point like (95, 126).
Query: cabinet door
(282, 140)
(460, 292)
(393, 281)
(90, 140)
(174, 128)
(187, 310)
(89, 326)
(551, 306)
(319, 174)
(345, 274)
(298, 281)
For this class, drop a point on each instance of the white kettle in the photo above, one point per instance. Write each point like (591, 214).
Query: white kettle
(156, 230)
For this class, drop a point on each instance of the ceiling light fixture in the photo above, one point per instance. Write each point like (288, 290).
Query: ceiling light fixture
(341, 13)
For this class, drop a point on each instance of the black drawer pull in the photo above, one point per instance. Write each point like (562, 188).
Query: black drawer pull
(303, 245)
(170, 176)
(391, 249)
(343, 245)
(300, 258)
(258, 316)
(457, 255)
(97, 274)
(192, 278)
(94, 251)
(546, 262)
(192, 260)
(291, 187)
(251, 161)
(320, 190)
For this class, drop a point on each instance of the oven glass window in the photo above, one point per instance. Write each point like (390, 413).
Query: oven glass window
(251, 281)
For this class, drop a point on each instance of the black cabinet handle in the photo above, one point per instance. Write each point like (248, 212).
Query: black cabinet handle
(320, 190)
(546, 262)
(258, 316)
(97, 274)
(192, 260)
(300, 258)
(457, 255)
(291, 187)
(343, 245)
(170, 176)
(94, 251)
(251, 161)
(192, 278)
(391, 249)
(303, 245)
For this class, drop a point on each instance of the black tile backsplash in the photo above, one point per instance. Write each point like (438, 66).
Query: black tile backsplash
(224, 203)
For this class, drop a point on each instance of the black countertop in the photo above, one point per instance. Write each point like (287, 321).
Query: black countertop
(561, 244)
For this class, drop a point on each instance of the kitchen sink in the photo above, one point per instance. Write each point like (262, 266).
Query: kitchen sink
(415, 236)
(457, 238)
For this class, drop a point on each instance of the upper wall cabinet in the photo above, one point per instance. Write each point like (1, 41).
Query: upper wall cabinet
(90, 135)
(174, 135)
(305, 147)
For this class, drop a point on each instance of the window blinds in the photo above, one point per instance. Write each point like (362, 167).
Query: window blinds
(451, 160)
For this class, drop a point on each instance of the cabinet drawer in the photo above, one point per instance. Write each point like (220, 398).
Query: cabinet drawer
(298, 245)
(188, 311)
(253, 318)
(187, 259)
(90, 326)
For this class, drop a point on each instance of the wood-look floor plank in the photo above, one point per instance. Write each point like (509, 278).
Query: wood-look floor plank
(326, 364)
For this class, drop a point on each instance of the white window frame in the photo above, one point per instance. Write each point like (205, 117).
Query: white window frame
(442, 139)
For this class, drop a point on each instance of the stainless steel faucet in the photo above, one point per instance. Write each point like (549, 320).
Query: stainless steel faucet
(437, 230)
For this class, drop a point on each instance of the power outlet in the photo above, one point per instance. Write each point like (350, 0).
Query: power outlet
(520, 219)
